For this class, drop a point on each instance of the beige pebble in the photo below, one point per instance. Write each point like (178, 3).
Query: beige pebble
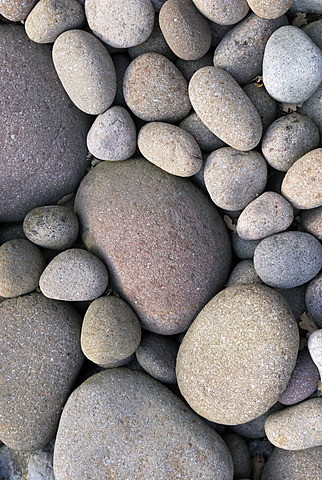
(223, 13)
(269, 8)
(16, 10)
(311, 221)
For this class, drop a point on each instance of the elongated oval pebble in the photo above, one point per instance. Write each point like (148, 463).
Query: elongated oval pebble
(225, 108)
(269, 8)
(223, 13)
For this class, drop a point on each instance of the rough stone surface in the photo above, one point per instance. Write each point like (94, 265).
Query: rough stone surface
(43, 150)
(270, 8)
(170, 148)
(244, 272)
(292, 65)
(21, 264)
(16, 10)
(302, 184)
(264, 103)
(238, 355)
(35, 465)
(118, 405)
(227, 13)
(288, 259)
(206, 140)
(41, 358)
(313, 299)
(297, 465)
(240, 454)
(74, 275)
(224, 108)
(256, 428)
(52, 226)
(313, 109)
(297, 427)
(311, 221)
(111, 331)
(315, 349)
(165, 263)
(189, 67)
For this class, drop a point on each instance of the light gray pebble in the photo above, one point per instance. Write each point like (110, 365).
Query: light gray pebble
(14, 10)
(264, 103)
(314, 31)
(243, 272)
(294, 464)
(206, 140)
(227, 13)
(306, 6)
(244, 249)
(315, 349)
(313, 109)
(189, 67)
(74, 275)
(311, 221)
(313, 299)
(240, 454)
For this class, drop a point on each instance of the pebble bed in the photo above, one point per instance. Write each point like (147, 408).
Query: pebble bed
(160, 240)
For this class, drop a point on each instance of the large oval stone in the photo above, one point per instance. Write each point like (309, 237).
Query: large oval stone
(163, 241)
(122, 424)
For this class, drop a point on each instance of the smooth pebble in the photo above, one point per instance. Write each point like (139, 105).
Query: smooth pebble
(16, 10)
(311, 221)
(294, 464)
(315, 348)
(270, 8)
(207, 141)
(264, 103)
(240, 454)
(243, 272)
(313, 109)
(227, 13)
(313, 299)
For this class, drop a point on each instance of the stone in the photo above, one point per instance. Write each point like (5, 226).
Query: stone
(244, 272)
(315, 349)
(118, 404)
(86, 70)
(313, 299)
(155, 90)
(288, 259)
(21, 264)
(264, 103)
(234, 178)
(16, 10)
(123, 24)
(170, 148)
(165, 263)
(157, 356)
(240, 454)
(311, 221)
(213, 93)
(256, 428)
(185, 29)
(41, 358)
(288, 139)
(313, 109)
(74, 275)
(292, 65)
(35, 465)
(49, 18)
(238, 355)
(244, 249)
(295, 297)
(112, 136)
(52, 226)
(270, 8)
(43, 150)
(189, 67)
(241, 50)
(11, 231)
(155, 43)
(297, 464)
(111, 331)
(224, 14)
(314, 31)
(302, 184)
(207, 141)
(306, 6)
(297, 427)
(268, 214)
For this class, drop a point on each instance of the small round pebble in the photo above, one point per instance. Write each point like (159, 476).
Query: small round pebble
(269, 8)
(112, 136)
(155, 90)
(296, 465)
(121, 24)
(206, 140)
(288, 139)
(157, 356)
(256, 428)
(244, 272)
(240, 454)
(21, 264)
(302, 184)
(49, 18)
(225, 108)
(52, 226)
(313, 299)
(311, 221)
(170, 148)
(264, 103)
(86, 70)
(111, 332)
(315, 349)
(74, 275)
(288, 259)
(244, 249)
(268, 214)
(227, 13)
(233, 178)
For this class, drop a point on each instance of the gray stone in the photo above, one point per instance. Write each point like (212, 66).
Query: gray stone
(255, 428)
(313, 109)
(136, 418)
(238, 355)
(11, 231)
(154, 43)
(240, 454)
(189, 67)
(16, 10)
(41, 358)
(206, 140)
(227, 13)
(295, 297)
(35, 465)
(269, 8)
(244, 272)
(295, 465)
(260, 447)
(288, 259)
(314, 31)
(264, 103)
(244, 249)
(311, 221)
(165, 263)
(306, 6)
(292, 65)
(121, 62)
(313, 299)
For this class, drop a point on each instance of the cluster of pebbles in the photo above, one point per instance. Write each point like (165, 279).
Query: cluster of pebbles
(160, 239)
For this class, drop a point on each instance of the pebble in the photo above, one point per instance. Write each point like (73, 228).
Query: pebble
(288, 259)
(49, 18)
(216, 371)
(268, 214)
(154, 43)
(170, 148)
(21, 264)
(227, 13)
(315, 349)
(234, 178)
(306, 6)
(155, 90)
(157, 4)
(264, 103)
(224, 108)
(52, 226)
(74, 275)
(111, 332)
(297, 427)
(313, 299)
(185, 29)
(292, 65)
(295, 297)
(207, 141)
(288, 139)
(189, 67)
(86, 70)
(270, 8)
(314, 31)
(240, 454)
(244, 249)
(313, 109)
(157, 356)
(244, 272)
(118, 405)
(41, 358)
(121, 24)
(183, 255)
(311, 221)
(295, 465)
(302, 184)
(16, 10)
(256, 428)
(44, 147)
(303, 381)
(112, 135)
(11, 231)
(241, 50)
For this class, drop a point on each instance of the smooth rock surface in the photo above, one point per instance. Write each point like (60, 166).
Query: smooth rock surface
(314, 31)
(270, 8)
(244, 249)
(227, 13)
(189, 67)
(16, 10)
(313, 299)
(244, 272)
(296, 465)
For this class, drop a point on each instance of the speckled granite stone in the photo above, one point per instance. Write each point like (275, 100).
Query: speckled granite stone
(16, 10)
(311, 221)
(269, 8)
(313, 299)
(296, 465)
(226, 13)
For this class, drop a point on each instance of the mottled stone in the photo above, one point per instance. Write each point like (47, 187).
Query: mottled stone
(264, 103)
(16, 10)
(306, 6)
(315, 349)
(240, 454)
(255, 428)
(313, 299)
(311, 221)
(296, 465)
(244, 272)
(227, 13)
(238, 355)
(136, 418)
(270, 8)
(206, 140)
